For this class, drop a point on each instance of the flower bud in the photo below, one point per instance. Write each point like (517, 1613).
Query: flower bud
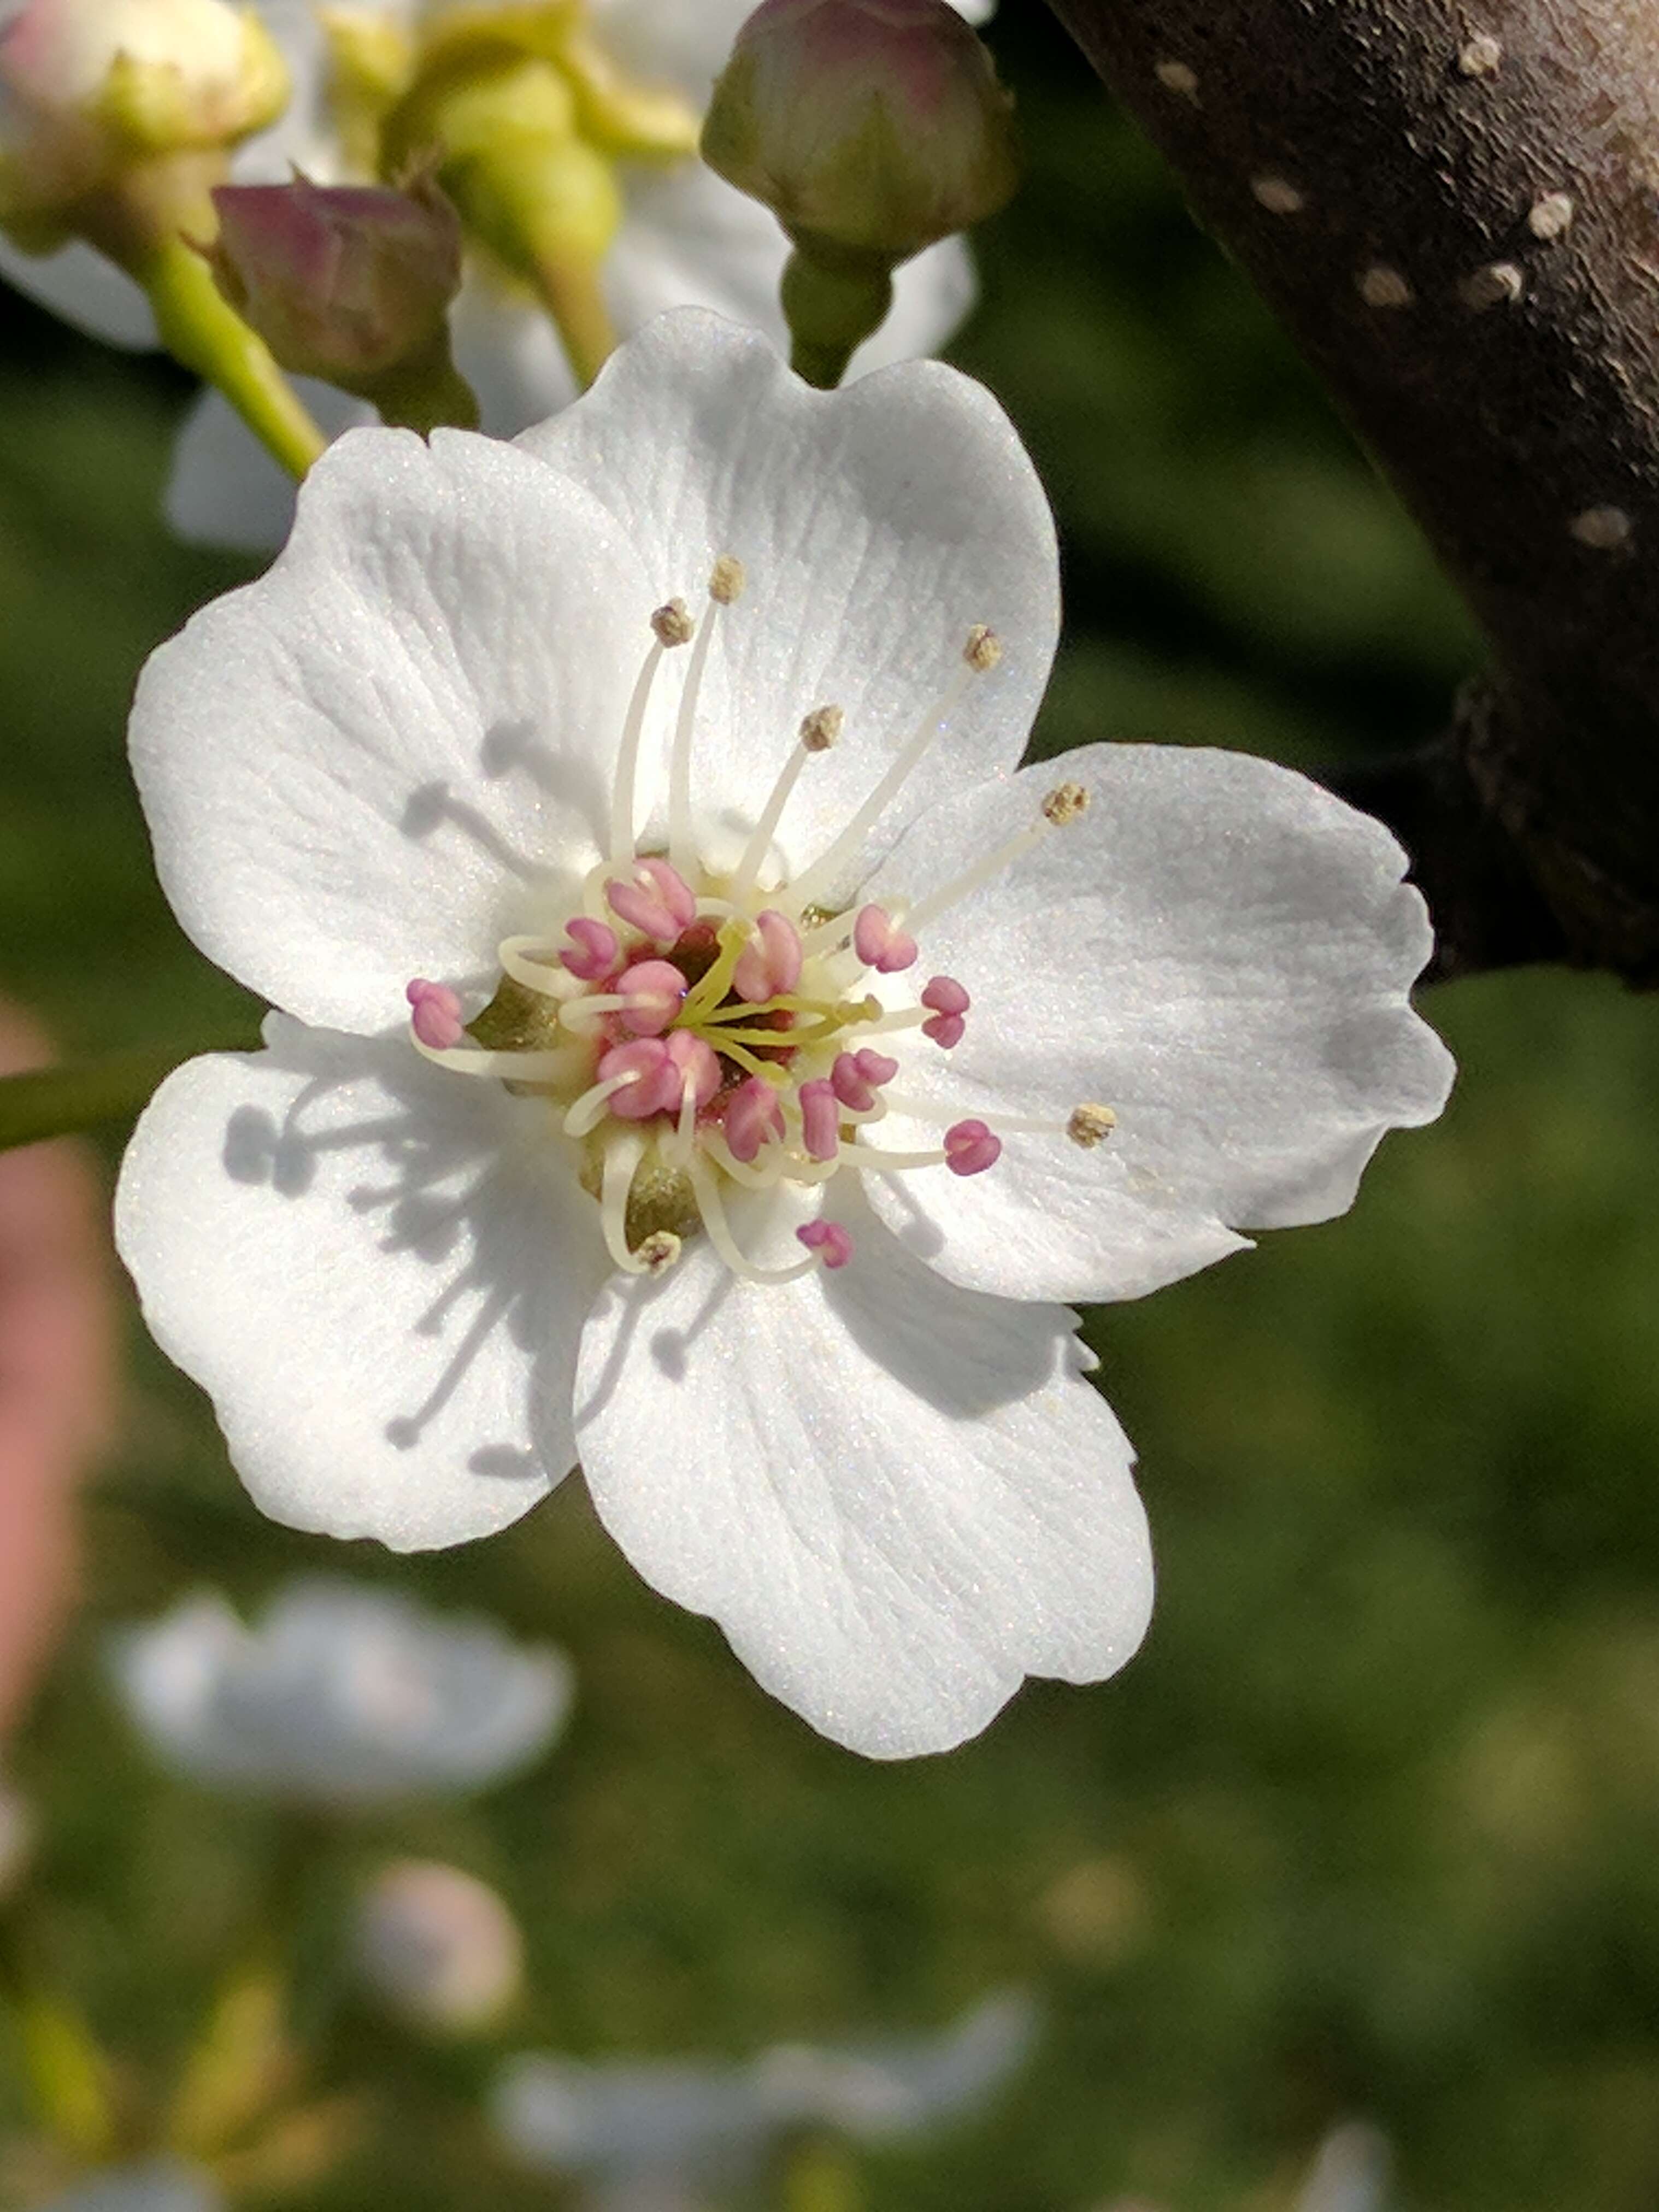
(345, 282)
(872, 128)
(439, 1947)
(90, 88)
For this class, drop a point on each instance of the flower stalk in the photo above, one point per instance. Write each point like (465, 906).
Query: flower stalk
(60, 1102)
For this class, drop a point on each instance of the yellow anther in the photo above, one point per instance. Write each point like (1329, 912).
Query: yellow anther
(726, 579)
(820, 728)
(1090, 1126)
(659, 1252)
(983, 649)
(672, 625)
(1065, 803)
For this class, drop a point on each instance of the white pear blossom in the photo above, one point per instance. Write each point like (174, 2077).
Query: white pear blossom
(687, 238)
(159, 2186)
(438, 1946)
(783, 1056)
(343, 1695)
(659, 2132)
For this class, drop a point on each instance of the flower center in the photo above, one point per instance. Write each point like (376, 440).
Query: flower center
(698, 1028)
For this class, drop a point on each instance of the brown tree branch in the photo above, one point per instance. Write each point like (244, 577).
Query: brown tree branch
(1455, 207)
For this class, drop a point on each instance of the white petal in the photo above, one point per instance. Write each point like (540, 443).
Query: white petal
(225, 489)
(85, 290)
(164, 2185)
(878, 524)
(371, 763)
(897, 1497)
(1218, 950)
(687, 43)
(377, 1271)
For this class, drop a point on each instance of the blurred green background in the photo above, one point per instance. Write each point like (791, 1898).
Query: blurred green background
(1372, 1825)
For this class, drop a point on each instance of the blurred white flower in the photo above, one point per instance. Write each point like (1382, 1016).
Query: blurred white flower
(343, 1695)
(1350, 2171)
(439, 1946)
(658, 2131)
(166, 2185)
(595, 1200)
(687, 238)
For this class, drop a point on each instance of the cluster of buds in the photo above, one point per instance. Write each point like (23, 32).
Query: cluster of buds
(92, 95)
(873, 129)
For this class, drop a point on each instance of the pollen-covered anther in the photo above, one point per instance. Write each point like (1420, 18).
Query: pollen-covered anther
(970, 1148)
(832, 1243)
(726, 579)
(655, 991)
(947, 1001)
(983, 649)
(672, 624)
(753, 1118)
(822, 728)
(596, 952)
(880, 942)
(1065, 803)
(1090, 1124)
(656, 900)
(435, 1014)
(770, 963)
(659, 1251)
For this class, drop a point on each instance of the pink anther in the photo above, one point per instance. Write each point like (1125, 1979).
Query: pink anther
(654, 1086)
(596, 952)
(857, 1076)
(820, 1116)
(753, 1118)
(829, 1240)
(656, 900)
(769, 965)
(880, 944)
(970, 1148)
(950, 1002)
(694, 1064)
(656, 990)
(436, 1014)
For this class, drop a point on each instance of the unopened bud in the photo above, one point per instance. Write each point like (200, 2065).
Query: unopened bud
(345, 282)
(439, 1947)
(870, 127)
(92, 89)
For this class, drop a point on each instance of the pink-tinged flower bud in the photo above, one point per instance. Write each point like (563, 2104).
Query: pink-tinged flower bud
(90, 88)
(347, 282)
(870, 127)
(439, 1947)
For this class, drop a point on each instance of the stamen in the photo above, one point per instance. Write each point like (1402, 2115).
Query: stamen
(673, 627)
(705, 1191)
(652, 993)
(694, 1064)
(753, 1118)
(857, 1076)
(970, 1148)
(881, 943)
(644, 1081)
(1062, 805)
(820, 730)
(591, 1109)
(820, 1116)
(505, 1066)
(725, 585)
(1090, 1124)
(829, 1239)
(436, 1014)
(770, 963)
(656, 900)
(948, 1002)
(980, 653)
(545, 973)
(659, 1252)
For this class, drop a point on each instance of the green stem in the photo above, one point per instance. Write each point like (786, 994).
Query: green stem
(571, 292)
(200, 328)
(830, 312)
(53, 1102)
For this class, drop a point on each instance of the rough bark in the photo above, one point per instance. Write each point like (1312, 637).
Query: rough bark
(1455, 210)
